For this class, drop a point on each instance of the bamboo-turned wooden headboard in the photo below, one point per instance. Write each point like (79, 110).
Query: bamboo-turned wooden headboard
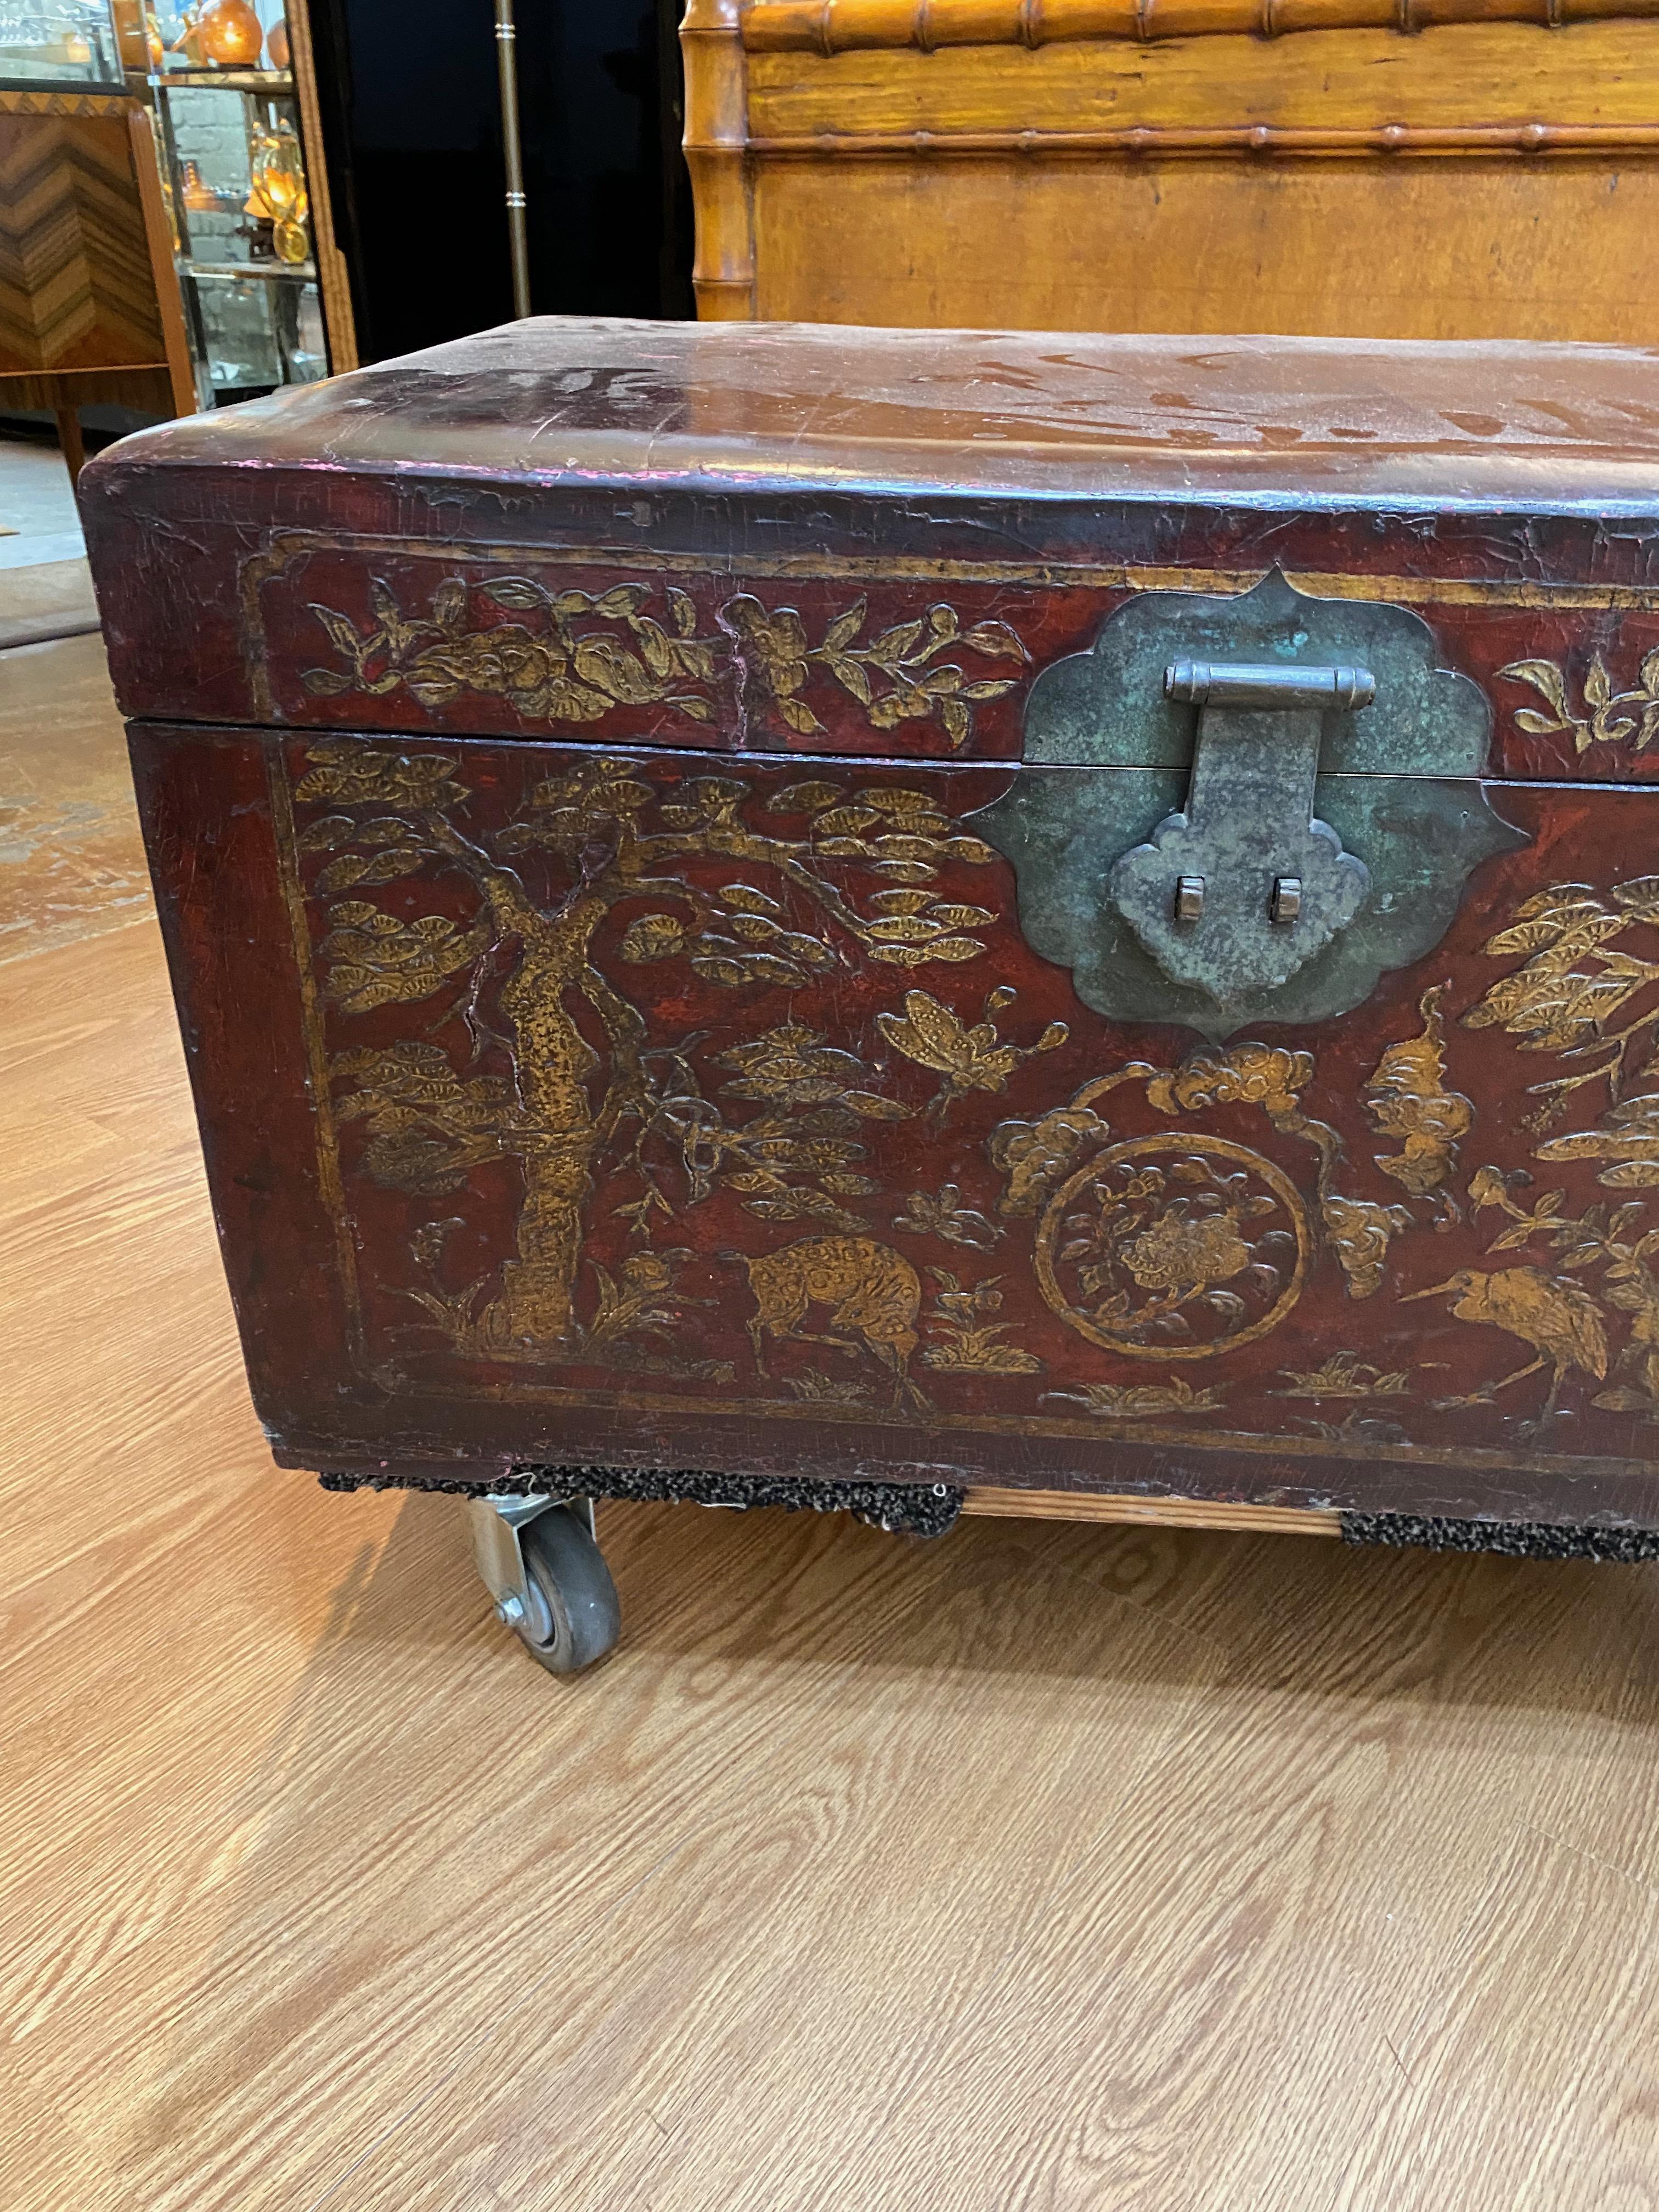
(836, 27)
(1411, 168)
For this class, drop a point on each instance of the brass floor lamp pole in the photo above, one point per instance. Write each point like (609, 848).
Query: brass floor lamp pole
(513, 152)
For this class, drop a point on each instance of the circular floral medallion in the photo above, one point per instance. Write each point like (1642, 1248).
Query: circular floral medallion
(1173, 1246)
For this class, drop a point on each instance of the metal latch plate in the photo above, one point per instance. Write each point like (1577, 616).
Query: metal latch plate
(1245, 711)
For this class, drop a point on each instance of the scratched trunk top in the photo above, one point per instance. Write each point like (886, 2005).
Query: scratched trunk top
(816, 539)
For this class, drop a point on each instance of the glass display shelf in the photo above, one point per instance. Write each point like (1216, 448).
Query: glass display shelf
(59, 46)
(257, 272)
(223, 80)
(214, 94)
(234, 175)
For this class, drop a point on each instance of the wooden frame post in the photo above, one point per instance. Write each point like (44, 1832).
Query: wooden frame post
(717, 154)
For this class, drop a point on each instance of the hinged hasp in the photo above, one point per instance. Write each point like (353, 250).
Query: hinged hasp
(1232, 894)
(1243, 907)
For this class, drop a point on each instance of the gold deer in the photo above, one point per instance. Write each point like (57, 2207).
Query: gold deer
(871, 1290)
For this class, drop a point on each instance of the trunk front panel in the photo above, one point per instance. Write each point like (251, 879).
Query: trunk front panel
(698, 1110)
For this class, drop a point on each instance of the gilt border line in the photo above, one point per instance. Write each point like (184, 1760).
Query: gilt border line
(330, 1174)
(288, 546)
(1585, 1466)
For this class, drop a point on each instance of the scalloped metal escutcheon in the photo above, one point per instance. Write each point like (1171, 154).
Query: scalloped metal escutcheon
(1246, 808)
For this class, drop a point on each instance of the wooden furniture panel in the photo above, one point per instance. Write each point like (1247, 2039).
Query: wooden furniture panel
(1330, 167)
(1477, 249)
(1029, 483)
(1470, 80)
(75, 289)
(829, 26)
(88, 309)
(417, 1283)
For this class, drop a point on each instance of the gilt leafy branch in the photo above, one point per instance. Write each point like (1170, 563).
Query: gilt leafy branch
(1607, 717)
(577, 655)
(427, 1128)
(777, 661)
(799, 1159)
(1575, 979)
(965, 1341)
(557, 672)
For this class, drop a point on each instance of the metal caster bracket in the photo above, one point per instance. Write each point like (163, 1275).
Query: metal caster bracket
(562, 1604)
(495, 1525)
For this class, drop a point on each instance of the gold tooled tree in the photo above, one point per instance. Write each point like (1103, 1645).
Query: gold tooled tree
(787, 916)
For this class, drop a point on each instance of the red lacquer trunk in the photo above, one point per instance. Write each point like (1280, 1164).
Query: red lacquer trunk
(646, 1006)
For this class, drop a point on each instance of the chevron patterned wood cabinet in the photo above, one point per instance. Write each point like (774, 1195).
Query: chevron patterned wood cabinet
(90, 310)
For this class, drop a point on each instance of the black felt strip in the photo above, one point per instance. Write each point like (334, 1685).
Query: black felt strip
(1517, 1539)
(913, 1509)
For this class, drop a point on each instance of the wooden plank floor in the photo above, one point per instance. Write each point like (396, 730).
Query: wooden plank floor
(1138, 1867)
(71, 862)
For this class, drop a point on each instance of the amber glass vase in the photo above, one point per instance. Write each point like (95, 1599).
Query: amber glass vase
(276, 170)
(230, 33)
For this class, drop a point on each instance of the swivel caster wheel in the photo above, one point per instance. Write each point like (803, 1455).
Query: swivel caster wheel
(544, 1570)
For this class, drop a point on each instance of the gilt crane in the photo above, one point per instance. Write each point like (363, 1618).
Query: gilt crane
(1562, 1324)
